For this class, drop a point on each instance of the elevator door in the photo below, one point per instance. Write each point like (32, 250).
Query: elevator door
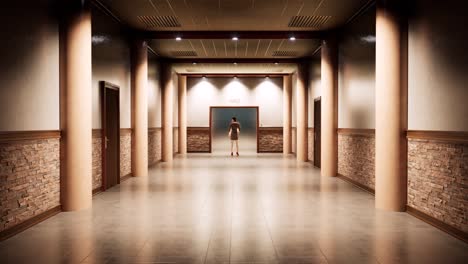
(111, 132)
(220, 120)
(317, 131)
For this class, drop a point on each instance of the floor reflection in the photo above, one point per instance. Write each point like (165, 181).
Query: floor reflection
(216, 209)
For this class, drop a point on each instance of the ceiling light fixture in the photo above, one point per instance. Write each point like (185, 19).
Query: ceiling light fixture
(194, 63)
(276, 63)
(178, 38)
(235, 63)
(292, 38)
(235, 38)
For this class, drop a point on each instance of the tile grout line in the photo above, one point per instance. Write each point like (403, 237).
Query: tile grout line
(269, 231)
(232, 211)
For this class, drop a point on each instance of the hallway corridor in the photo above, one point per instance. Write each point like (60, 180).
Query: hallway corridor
(217, 209)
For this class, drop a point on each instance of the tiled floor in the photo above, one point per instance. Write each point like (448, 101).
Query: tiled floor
(216, 209)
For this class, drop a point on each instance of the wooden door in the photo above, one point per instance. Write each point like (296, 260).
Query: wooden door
(317, 131)
(111, 136)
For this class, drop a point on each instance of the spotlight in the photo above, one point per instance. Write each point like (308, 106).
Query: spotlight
(292, 38)
(178, 38)
(235, 63)
(235, 38)
(194, 63)
(276, 63)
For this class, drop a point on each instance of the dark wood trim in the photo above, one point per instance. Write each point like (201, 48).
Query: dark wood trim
(437, 223)
(97, 133)
(152, 129)
(258, 121)
(443, 136)
(104, 87)
(270, 128)
(14, 230)
(230, 34)
(230, 75)
(199, 128)
(357, 184)
(356, 132)
(126, 177)
(125, 131)
(8, 136)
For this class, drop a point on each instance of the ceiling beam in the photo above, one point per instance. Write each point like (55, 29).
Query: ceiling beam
(239, 61)
(231, 34)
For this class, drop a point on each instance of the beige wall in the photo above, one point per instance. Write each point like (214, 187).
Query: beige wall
(438, 66)
(29, 79)
(315, 82)
(154, 93)
(259, 91)
(356, 77)
(111, 63)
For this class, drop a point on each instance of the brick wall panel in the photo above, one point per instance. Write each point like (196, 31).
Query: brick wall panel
(29, 179)
(198, 139)
(270, 139)
(125, 154)
(154, 145)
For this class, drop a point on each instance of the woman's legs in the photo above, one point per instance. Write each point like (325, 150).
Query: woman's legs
(232, 146)
(237, 147)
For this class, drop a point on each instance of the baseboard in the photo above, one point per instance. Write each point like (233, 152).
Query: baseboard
(126, 177)
(438, 224)
(7, 233)
(357, 184)
(97, 191)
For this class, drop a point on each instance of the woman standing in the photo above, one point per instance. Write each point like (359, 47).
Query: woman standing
(234, 130)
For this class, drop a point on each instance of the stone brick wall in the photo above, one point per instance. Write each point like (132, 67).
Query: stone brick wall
(154, 145)
(310, 141)
(270, 139)
(438, 180)
(293, 139)
(97, 159)
(175, 137)
(356, 158)
(198, 139)
(125, 152)
(29, 179)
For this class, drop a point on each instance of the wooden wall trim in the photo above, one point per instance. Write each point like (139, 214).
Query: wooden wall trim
(125, 131)
(444, 136)
(153, 129)
(356, 132)
(97, 133)
(357, 184)
(8, 136)
(7, 233)
(270, 128)
(198, 128)
(438, 224)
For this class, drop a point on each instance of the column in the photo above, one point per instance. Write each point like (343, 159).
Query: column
(76, 186)
(329, 141)
(140, 108)
(302, 113)
(287, 116)
(391, 109)
(182, 114)
(167, 113)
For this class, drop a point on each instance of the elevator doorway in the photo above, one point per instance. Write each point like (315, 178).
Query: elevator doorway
(317, 131)
(220, 118)
(110, 135)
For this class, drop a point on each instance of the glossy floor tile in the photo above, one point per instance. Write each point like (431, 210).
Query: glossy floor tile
(218, 209)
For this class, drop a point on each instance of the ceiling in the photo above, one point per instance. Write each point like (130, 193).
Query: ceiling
(267, 16)
(227, 48)
(230, 68)
(232, 15)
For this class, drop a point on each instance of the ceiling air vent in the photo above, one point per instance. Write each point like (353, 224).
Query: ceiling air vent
(285, 53)
(184, 53)
(308, 21)
(159, 21)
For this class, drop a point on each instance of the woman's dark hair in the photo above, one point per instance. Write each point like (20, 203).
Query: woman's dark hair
(235, 119)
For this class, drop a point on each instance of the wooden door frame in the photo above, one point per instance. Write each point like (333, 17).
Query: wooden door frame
(257, 126)
(318, 99)
(104, 87)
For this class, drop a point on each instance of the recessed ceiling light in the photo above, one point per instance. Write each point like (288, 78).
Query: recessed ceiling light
(194, 63)
(235, 38)
(178, 38)
(292, 38)
(235, 63)
(276, 63)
